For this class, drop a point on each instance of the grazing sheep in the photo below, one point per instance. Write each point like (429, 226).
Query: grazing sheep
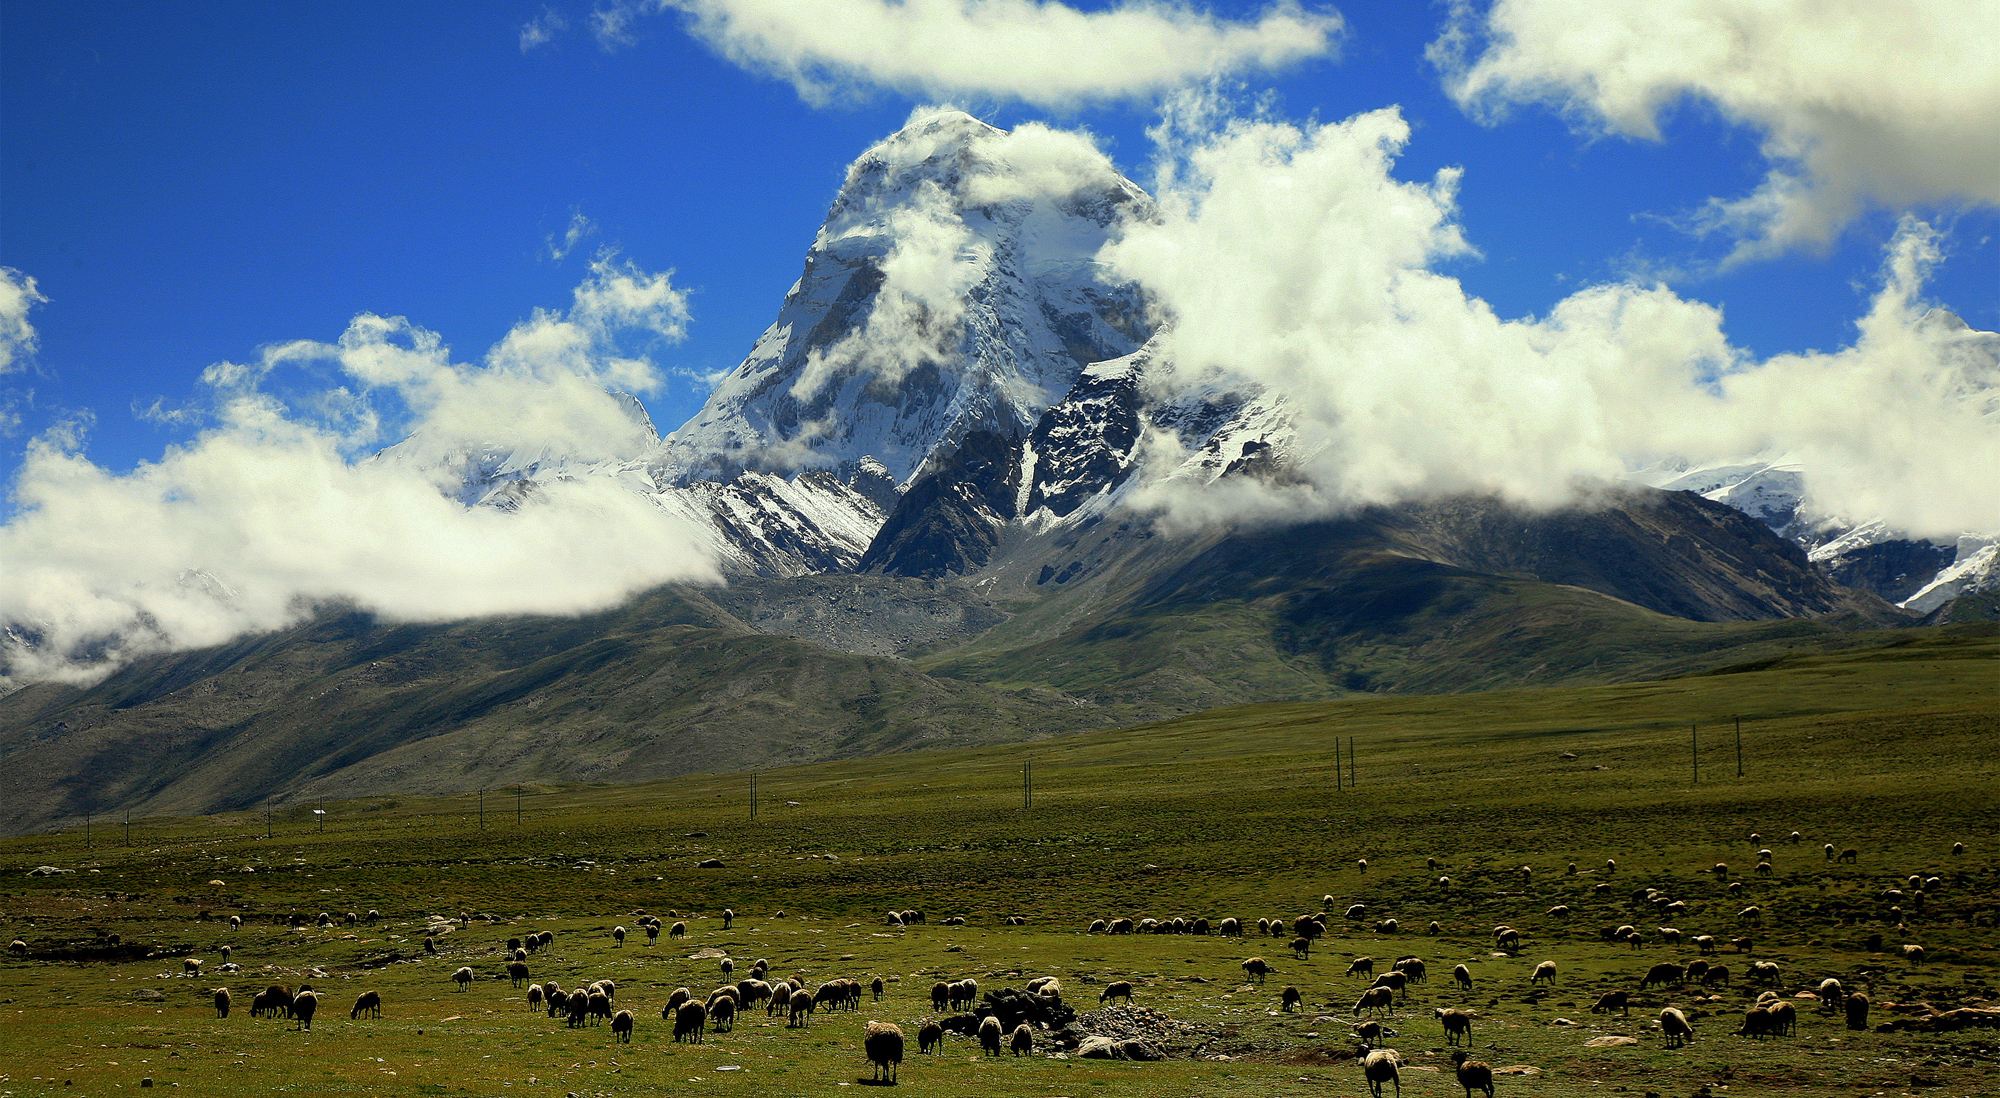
(1230, 928)
(430, 945)
(801, 1008)
(652, 934)
(1759, 1022)
(1434, 929)
(1289, 998)
(751, 992)
(940, 995)
(1705, 942)
(678, 930)
(1721, 870)
(304, 1005)
(596, 1005)
(517, 974)
(534, 996)
(1116, 989)
(1829, 851)
(882, 1042)
(1850, 855)
(728, 917)
(1958, 850)
(369, 1003)
(964, 993)
(1696, 969)
(273, 1000)
(621, 1027)
(1302, 947)
(1462, 976)
(989, 1035)
(1457, 1024)
(1121, 926)
(1022, 1040)
(1507, 938)
(1668, 934)
(1857, 1010)
(930, 1037)
(463, 978)
(1610, 865)
(1255, 969)
(191, 965)
(722, 1011)
(1364, 966)
(1662, 975)
(1831, 993)
(781, 998)
(1716, 977)
(1048, 987)
(1414, 968)
(728, 967)
(222, 1002)
(1386, 926)
(1473, 1074)
(1674, 1026)
(1619, 1001)
(1394, 981)
(1751, 916)
(1371, 1032)
(1913, 953)
(1544, 972)
(1354, 911)
(1560, 911)
(690, 1021)
(674, 1001)
(1380, 1066)
(1375, 998)
(1362, 865)
(875, 988)
(236, 922)
(1765, 973)
(1742, 945)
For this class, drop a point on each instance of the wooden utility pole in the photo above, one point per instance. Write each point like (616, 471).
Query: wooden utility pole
(517, 806)
(86, 831)
(267, 817)
(128, 827)
(753, 796)
(482, 810)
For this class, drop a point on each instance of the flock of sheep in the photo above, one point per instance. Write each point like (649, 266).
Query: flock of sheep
(692, 1016)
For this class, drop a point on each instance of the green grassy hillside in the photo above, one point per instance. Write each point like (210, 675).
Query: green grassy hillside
(1887, 750)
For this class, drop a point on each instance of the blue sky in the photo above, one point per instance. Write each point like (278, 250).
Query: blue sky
(187, 182)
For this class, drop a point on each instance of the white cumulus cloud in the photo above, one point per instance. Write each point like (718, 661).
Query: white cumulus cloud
(1856, 103)
(1033, 51)
(279, 505)
(18, 296)
(1290, 259)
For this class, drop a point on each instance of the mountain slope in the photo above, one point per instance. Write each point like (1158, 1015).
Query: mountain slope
(343, 705)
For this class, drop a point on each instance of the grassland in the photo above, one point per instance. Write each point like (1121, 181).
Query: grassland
(1888, 749)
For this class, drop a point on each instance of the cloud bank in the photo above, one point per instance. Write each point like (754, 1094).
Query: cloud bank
(1030, 51)
(1290, 259)
(278, 506)
(1857, 104)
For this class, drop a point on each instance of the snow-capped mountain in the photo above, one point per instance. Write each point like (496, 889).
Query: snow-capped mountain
(948, 292)
(1914, 573)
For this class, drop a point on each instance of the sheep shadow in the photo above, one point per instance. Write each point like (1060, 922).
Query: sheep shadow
(866, 1082)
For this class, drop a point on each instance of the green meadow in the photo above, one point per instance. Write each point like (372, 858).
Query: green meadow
(1888, 750)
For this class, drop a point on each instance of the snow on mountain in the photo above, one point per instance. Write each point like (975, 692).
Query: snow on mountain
(952, 289)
